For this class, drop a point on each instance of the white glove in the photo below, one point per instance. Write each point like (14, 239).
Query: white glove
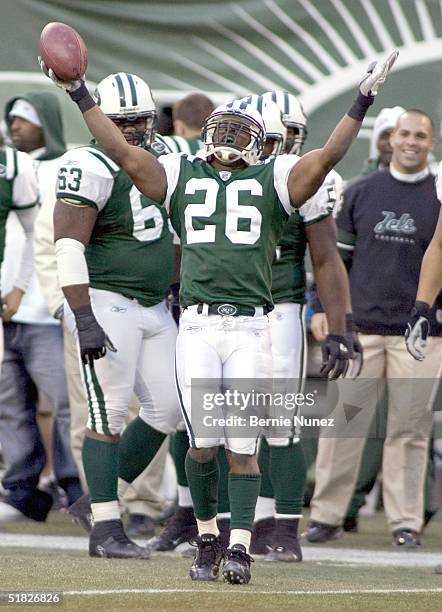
(418, 329)
(376, 75)
(68, 86)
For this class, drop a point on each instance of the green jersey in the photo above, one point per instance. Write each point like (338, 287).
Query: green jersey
(18, 187)
(130, 250)
(288, 270)
(229, 224)
(178, 144)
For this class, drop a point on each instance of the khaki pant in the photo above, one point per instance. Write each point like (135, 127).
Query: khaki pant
(411, 389)
(142, 497)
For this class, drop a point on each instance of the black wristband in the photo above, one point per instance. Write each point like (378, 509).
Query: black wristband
(82, 98)
(422, 308)
(349, 326)
(360, 107)
(84, 316)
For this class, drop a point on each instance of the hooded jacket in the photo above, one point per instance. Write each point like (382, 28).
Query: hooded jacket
(48, 110)
(33, 308)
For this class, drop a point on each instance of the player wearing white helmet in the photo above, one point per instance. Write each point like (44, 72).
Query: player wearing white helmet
(229, 214)
(115, 264)
(283, 466)
(293, 119)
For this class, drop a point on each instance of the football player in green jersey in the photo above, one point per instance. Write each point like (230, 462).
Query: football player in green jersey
(281, 457)
(116, 262)
(229, 213)
(18, 193)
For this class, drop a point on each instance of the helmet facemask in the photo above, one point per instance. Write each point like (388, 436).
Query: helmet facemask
(232, 136)
(277, 142)
(296, 135)
(144, 124)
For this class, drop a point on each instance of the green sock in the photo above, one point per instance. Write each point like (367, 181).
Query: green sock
(100, 460)
(180, 448)
(138, 446)
(264, 468)
(203, 484)
(288, 475)
(223, 484)
(243, 493)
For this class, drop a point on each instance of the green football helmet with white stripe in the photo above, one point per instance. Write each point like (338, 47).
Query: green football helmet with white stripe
(293, 117)
(127, 100)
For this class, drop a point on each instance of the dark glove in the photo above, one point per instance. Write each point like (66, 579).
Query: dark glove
(174, 302)
(335, 356)
(93, 341)
(356, 350)
(418, 328)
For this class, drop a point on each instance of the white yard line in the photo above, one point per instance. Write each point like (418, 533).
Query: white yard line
(401, 558)
(248, 591)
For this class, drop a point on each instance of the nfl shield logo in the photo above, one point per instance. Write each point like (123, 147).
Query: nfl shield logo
(227, 310)
(225, 175)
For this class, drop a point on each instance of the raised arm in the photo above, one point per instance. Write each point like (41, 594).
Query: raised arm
(309, 173)
(430, 280)
(142, 167)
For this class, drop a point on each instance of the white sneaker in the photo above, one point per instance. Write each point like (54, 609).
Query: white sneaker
(9, 514)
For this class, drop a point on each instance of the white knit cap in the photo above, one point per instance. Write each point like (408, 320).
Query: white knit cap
(23, 109)
(386, 120)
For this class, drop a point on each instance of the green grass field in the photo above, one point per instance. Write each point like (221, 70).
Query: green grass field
(162, 583)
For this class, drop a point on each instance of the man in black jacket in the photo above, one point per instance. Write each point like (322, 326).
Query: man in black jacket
(386, 223)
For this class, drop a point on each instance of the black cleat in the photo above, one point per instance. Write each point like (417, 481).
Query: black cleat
(318, 533)
(208, 557)
(236, 569)
(81, 512)
(406, 538)
(180, 527)
(286, 545)
(262, 536)
(140, 526)
(108, 539)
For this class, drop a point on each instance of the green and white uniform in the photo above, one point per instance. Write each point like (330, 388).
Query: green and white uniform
(18, 188)
(229, 225)
(18, 193)
(130, 261)
(178, 144)
(287, 320)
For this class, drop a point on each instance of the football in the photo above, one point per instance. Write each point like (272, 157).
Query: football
(63, 50)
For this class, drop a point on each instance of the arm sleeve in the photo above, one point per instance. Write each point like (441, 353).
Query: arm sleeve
(85, 178)
(24, 187)
(44, 254)
(282, 168)
(26, 218)
(326, 201)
